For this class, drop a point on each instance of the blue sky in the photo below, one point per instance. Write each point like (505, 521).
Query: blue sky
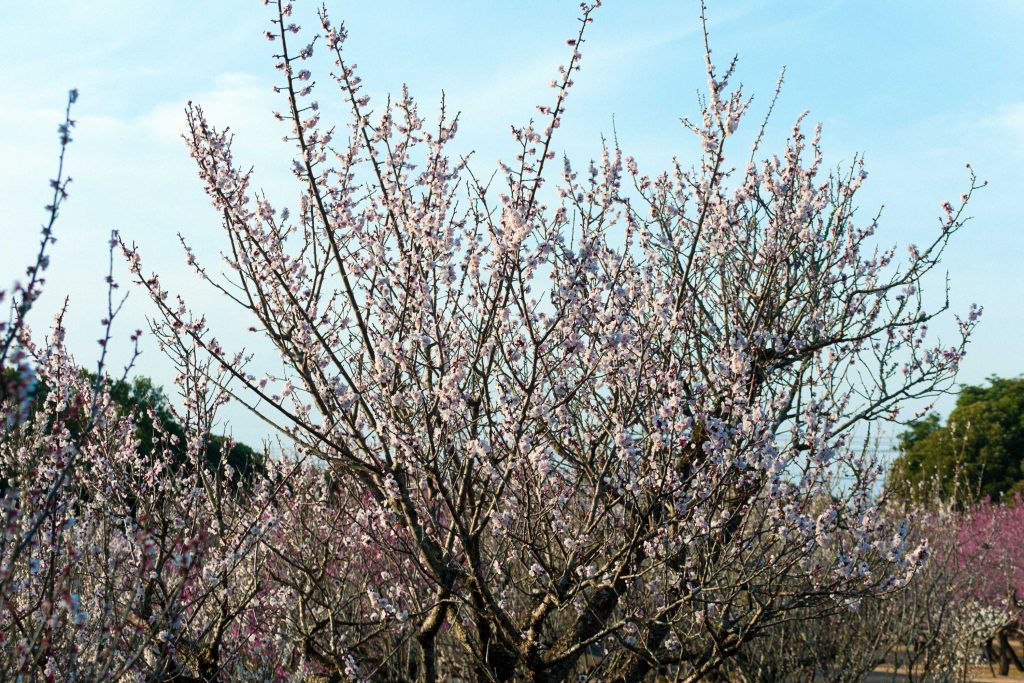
(921, 88)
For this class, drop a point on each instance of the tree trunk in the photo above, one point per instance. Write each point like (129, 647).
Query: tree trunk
(1009, 654)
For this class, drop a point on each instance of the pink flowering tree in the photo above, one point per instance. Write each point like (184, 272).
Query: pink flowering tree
(569, 422)
(114, 566)
(995, 533)
(990, 540)
(941, 623)
(55, 424)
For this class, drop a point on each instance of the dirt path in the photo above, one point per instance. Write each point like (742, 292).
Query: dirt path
(979, 674)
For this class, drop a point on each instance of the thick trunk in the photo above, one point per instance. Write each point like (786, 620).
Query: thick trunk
(1007, 655)
(637, 665)
(426, 638)
(567, 651)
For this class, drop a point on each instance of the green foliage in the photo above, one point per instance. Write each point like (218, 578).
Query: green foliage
(147, 402)
(981, 447)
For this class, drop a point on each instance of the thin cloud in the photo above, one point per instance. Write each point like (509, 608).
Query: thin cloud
(1008, 125)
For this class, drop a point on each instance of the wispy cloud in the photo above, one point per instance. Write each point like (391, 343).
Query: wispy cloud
(1007, 124)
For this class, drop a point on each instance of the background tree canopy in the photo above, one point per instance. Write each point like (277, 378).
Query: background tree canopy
(144, 400)
(981, 445)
